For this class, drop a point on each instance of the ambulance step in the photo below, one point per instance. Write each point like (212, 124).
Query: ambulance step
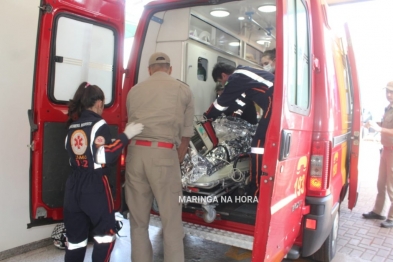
(212, 234)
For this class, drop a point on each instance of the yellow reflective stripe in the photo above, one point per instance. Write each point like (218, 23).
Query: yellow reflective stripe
(254, 77)
(105, 239)
(72, 246)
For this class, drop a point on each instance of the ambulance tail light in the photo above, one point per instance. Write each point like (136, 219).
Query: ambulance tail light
(318, 181)
(122, 159)
(123, 167)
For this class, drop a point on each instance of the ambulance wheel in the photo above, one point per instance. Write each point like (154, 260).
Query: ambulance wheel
(328, 250)
(154, 206)
(209, 215)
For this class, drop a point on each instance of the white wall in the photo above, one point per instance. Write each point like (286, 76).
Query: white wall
(18, 30)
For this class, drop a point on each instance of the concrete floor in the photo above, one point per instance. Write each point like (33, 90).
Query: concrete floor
(359, 240)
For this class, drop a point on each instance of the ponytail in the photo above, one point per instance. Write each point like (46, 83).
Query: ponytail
(85, 97)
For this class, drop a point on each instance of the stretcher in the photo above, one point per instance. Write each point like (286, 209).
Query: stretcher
(217, 164)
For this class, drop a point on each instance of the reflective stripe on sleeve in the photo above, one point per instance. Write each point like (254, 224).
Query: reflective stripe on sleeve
(218, 107)
(94, 131)
(240, 102)
(238, 112)
(257, 150)
(92, 138)
(105, 239)
(100, 157)
(72, 246)
(254, 76)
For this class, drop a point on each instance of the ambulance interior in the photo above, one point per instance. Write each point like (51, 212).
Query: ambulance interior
(236, 33)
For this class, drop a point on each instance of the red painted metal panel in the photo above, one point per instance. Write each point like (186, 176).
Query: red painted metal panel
(356, 124)
(280, 216)
(104, 12)
(280, 213)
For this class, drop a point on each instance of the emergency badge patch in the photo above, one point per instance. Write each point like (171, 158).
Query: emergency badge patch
(79, 142)
(100, 140)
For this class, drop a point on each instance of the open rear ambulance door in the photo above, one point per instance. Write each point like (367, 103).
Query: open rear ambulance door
(77, 41)
(356, 123)
(287, 148)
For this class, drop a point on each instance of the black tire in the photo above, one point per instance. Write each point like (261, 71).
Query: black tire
(329, 248)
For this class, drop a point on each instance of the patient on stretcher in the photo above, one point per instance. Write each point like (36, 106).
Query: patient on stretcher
(207, 165)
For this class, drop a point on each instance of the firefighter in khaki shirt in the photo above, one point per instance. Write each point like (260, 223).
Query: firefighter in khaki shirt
(385, 177)
(165, 107)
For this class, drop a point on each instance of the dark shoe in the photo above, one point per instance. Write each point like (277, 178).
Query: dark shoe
(372, 215)
(387, 223)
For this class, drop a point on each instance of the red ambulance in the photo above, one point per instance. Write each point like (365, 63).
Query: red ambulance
(312, 145)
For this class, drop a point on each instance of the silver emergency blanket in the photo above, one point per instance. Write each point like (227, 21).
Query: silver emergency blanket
(234, 134)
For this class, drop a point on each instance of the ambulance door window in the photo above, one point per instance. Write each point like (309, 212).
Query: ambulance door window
(298, 70)
(83, 51)
(253, 55)
(347, 82)
(225, 61)
(202, 69)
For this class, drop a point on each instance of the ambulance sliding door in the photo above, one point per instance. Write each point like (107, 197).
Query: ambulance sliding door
(289, 136)
(77, 41)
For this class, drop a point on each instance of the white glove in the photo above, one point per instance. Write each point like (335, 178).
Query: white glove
(133, 130)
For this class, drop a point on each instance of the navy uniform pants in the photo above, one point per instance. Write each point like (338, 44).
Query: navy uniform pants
(88, 205)
(257, 151)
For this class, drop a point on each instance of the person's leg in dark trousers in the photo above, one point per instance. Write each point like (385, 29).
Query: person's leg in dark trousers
(98, 205)
(257, 151)
(77, 230)
(256, 162)
(76, 222)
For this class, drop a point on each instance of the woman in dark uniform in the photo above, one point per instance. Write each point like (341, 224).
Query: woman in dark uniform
(88, 198)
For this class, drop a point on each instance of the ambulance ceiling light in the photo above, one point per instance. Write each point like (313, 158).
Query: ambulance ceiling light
(219, 13)
(234, 43)
(263, 41)
(241, 18)
(267, 8)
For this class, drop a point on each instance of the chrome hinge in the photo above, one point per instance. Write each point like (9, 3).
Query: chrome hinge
(31, 146)
(46, 8)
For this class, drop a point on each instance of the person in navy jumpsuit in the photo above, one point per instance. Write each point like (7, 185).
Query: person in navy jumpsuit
(254, 84)
(88, 202)
(242, 107)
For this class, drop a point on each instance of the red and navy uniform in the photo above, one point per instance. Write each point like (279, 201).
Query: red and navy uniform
(257, 85)
(88, 199)
(243, 108)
